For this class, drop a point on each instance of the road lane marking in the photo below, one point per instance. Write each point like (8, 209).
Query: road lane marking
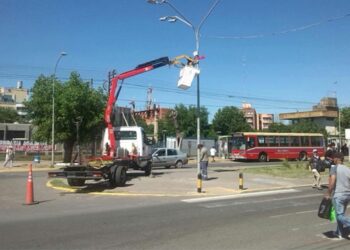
(225, 204)
(295, 213)
(235, 196)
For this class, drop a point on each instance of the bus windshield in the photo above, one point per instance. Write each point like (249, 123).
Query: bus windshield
(238, 143)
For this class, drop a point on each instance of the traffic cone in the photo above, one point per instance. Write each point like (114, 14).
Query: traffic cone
(30, 190)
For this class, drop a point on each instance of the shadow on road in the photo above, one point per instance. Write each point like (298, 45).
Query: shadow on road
(225, 170)
(105, 185)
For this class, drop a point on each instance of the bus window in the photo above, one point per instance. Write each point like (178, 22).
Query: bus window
(261, 141)
(316, 141)
(250, 142)
(284, 141)
(238, 143)
(271, 140)
(294, 141)
(304, 141)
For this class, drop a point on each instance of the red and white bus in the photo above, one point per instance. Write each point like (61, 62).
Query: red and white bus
(268, 146)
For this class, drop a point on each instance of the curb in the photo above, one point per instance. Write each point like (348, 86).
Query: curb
(206, 193)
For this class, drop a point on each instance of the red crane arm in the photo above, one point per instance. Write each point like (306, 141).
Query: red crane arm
(112, 98)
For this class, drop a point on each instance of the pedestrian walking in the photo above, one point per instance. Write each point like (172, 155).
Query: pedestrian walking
(204, 158)
(339, 190)
(212, 153)
(316, 166)
(328, 156)
(9, 157)
(345, 149)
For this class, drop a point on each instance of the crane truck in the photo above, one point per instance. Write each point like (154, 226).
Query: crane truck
(123, 147)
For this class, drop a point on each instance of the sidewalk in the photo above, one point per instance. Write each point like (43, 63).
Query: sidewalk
(223, 180)
(20, 166)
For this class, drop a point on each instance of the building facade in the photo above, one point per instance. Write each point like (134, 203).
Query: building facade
(323, 114)
(14, 97)
(256, 121)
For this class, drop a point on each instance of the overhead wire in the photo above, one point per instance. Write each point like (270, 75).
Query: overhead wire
(283, 32)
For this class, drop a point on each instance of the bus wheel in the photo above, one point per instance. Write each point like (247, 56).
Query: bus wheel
(263, 157)
(303, 156)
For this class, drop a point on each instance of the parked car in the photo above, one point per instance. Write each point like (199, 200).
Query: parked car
(167, 157)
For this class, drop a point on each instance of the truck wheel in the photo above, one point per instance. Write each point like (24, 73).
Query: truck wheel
(148, 169)
(76, 182)
(119, 176)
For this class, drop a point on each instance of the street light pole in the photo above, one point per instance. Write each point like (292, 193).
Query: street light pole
(53, 109)
(196, 31)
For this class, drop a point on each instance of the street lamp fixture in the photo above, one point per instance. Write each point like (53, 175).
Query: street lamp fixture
(173, 19)
(196, 29)
(53, 110)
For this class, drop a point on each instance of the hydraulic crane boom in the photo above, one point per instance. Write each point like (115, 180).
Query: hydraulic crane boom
(142, 68)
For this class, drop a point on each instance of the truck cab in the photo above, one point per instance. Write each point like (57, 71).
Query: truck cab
(130, 141)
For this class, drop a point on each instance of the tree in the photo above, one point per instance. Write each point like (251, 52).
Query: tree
(229, 120)
(9, 115)
(344, 118)
(75, 101)
(279, 127)
(186, 118)
(306, 126)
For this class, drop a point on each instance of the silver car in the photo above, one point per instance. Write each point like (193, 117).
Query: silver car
(167, 157)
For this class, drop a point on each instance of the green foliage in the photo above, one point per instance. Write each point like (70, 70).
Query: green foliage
(74, 101)
(147, 128)
(279, 127)
(229, 120)
(9, 115)
(306, 126)
(187, 121)
(344, 118)
(303, 126)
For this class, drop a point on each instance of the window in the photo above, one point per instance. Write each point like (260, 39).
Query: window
(172, 152)
(316, 141)
(271, 140)
(238, 143)
(261, 141)
(295, 141)
(161, 152)
(125, 135)
(250, 142)
(284, 141)
(304, 140)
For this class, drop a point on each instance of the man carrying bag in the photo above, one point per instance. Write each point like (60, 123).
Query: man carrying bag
(339, 190)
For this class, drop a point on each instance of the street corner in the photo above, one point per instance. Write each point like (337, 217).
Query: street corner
(104, 188)
(142, 189)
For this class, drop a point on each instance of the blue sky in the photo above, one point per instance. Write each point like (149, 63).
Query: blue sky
(260, 52)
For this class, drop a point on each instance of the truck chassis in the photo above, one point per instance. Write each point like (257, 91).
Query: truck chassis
(115, 172)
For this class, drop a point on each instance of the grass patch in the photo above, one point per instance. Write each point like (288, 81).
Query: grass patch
(286, 169)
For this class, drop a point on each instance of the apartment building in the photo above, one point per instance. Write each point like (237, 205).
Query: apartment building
(255, 120)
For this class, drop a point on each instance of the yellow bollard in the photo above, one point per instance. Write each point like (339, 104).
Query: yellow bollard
(199, 183)
(241, 181)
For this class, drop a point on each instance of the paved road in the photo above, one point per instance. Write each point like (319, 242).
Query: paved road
(277, 220)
